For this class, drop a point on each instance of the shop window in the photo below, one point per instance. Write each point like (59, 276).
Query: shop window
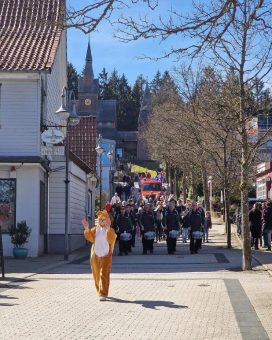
(7, 203)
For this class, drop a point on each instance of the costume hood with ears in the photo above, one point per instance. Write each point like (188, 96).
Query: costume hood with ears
(103, 214)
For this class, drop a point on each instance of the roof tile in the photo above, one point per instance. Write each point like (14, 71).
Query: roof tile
(30, 32)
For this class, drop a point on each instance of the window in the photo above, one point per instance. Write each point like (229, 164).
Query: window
(89, 205)
(151, 187)
(7, 203)
(261, 189)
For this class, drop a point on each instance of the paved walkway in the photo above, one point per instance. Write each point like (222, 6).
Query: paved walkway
(181, 296)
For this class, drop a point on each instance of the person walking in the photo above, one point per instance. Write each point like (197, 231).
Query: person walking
(195, 223)
(267, 223)
(103, 237)
(158, 211)
(147, 223)
(255, 222)
(171, 223)
(207, 226)
(124, 229)
(115, 199)
(185, 223)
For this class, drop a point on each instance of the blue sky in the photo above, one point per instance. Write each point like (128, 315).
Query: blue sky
(110, 53)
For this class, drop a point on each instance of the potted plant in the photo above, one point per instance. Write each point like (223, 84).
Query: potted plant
(19, 236)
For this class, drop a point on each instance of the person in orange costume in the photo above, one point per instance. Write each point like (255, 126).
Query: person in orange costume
(103, 238)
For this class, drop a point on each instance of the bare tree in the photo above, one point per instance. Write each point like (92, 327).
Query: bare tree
(88, 18)
(237, 35)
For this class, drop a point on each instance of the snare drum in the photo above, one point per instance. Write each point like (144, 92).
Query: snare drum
(197, 235)
(173, 233)
(149, 235)
(125, 237)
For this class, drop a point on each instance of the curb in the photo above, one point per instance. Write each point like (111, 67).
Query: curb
(265, 267)
(73, 257)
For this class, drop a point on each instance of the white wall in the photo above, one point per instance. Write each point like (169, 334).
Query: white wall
(77, 198)
(56, 200)
(20, 118)
(27, 206)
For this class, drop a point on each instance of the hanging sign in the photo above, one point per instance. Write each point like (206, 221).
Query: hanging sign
(52, 150)
(52, 136)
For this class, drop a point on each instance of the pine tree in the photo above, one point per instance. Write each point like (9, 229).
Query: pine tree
(124, 104)
(155, 84)
(113, 86)
(103, 84)
(72, 79)
(136, 100)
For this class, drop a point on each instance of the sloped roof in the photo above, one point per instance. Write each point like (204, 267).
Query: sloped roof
(30, 31)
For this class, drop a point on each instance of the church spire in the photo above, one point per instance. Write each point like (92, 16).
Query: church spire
(88, 70)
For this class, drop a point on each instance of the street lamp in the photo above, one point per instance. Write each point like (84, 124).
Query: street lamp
(210, 183)
(99, 150)
(72, 119)
(110, 156)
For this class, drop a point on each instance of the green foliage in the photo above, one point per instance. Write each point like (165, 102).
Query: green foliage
(72, 79)
(128, 99)
(19, 234)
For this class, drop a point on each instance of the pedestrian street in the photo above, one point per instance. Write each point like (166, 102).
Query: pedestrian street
(157, 296)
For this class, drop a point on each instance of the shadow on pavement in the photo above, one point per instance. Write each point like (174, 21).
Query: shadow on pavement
(148, 303)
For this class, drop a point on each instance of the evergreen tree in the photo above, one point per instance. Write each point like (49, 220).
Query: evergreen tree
(113, 86)
(136, 100)
(72, 79)
(261, 97)
(155, 84)
(103, 84)
(124, 104)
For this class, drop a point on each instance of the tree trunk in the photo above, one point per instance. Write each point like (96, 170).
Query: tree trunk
(226, 195)
(246, 263)
(184, 188)
(227, 219)
(193, 186)
(205, 188)
(246, 241)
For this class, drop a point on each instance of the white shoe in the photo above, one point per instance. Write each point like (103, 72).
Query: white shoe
(102, 298)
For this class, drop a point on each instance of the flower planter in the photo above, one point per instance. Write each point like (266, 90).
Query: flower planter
(20, 253)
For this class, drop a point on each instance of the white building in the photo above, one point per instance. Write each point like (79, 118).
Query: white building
(32, 74)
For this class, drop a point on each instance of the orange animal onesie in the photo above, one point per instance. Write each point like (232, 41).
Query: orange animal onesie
(103, 239)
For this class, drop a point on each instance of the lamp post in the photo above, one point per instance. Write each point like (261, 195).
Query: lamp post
(99, 150)
(72, 119)
(110, 156)
(210, 183)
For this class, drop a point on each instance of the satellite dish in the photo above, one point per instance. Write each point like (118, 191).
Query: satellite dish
(52, 136)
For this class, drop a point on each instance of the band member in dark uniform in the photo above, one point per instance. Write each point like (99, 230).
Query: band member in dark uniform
(124, 229)
(172, 225)
(196, 222)
(133, 220)
(147, 224)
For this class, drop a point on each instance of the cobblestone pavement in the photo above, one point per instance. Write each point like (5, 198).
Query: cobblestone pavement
(160, 296)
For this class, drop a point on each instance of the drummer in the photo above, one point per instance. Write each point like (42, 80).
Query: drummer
(172, 224)
(124, 229)
(147, 224)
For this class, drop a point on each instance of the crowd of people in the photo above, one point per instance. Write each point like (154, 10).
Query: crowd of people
(260, 219)
(160, 218)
